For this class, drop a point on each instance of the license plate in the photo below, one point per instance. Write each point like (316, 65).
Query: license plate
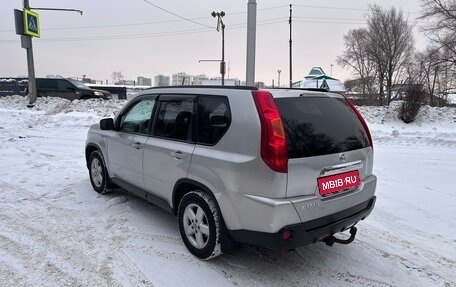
(336, 183)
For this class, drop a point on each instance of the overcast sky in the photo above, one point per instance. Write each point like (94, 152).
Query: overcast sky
(139, 39)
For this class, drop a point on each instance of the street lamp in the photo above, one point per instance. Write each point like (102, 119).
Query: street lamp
(220, 23)
(278, 80)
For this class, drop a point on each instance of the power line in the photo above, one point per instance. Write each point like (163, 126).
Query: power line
(110, 26)
(339, 8)
(178, 16)
(329, 22)
(142, 36)
(329, 7)
(260, 9)
(206, 26)
(145, 23)
(329, 18)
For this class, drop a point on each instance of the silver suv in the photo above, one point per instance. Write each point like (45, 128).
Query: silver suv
(279, 168)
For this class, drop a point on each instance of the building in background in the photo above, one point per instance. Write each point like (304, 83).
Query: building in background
(181, 79)
(317, 79)
(260, 85)
(161, 81)
(218, 82)
(198, 80)
(126, 83)
(142, 81)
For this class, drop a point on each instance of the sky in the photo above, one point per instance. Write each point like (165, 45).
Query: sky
(150, 37)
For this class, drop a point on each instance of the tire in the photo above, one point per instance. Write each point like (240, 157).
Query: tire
(98, 173)
(201, 225)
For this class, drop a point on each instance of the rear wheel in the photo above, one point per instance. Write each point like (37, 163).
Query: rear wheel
(97, 172)
(200, 225)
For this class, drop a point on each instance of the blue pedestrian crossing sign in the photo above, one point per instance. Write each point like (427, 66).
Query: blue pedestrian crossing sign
(31, 23)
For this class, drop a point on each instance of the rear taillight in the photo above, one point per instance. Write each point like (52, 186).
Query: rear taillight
(273, 142)
(361, 119)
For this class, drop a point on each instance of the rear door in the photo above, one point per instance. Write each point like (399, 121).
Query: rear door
(47, 87)
(126, 146)
(67, 90)
(168, 152)
(328, 148)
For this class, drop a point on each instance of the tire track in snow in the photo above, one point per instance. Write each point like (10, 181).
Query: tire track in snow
(269, 267)
(59, 243)
(132, 271)
(411, 265)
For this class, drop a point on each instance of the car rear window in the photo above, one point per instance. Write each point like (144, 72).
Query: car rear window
(320, 125)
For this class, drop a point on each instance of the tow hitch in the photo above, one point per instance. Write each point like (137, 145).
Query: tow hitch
(330, 240)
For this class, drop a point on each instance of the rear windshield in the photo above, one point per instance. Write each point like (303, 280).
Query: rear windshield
(320, 125)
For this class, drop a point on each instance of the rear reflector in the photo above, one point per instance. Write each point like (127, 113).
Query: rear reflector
(287, 234)
(273, 142)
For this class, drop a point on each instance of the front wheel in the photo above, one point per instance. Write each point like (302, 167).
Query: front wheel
(97, 172)
(200, 225)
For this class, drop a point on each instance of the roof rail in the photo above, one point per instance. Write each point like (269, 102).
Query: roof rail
(206, 87)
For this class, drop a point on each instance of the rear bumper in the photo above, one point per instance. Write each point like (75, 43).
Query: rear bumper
(307, 232)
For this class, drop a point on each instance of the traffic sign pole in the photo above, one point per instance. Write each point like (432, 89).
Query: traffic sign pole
(31, 65)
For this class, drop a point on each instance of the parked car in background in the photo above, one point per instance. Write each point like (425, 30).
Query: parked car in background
(69, 89)
(52, 87)
(279, 168)
(13, 86)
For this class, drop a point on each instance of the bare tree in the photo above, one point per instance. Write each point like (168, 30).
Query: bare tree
(440, 16)
(356, 58)
(390, 45)
(381, 50)
(429, 63)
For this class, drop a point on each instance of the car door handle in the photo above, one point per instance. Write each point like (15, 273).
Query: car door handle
(177, 154)
(137, 145)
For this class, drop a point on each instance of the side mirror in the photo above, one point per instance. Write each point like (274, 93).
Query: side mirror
(107, 124)
(71, 89)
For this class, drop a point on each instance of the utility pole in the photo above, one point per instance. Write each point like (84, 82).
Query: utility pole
(291, 62)
(220, 23)
(251, 40)
(278, 79)
(27, 44)
(222, 64)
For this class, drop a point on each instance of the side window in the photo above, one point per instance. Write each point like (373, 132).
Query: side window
(214, 118)
(47, 84)
(137, 119)
(64, 85)
(175, 119)
(8, 86)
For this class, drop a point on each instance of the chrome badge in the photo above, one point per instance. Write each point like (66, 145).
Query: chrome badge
(342, 157)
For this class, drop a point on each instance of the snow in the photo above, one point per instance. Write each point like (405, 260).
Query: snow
(56, 231)
(334, 85)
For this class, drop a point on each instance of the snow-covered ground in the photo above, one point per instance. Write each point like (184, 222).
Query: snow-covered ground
(56, 231)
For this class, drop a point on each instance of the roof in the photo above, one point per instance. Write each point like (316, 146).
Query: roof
(330, 84)
(315, 72)
(317, 79)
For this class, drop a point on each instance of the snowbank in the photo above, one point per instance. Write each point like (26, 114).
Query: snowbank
(56, 231)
